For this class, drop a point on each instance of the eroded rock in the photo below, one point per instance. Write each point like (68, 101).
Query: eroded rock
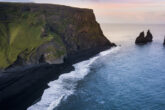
(142, 39)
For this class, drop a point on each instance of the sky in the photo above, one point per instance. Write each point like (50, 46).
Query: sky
(118, 11)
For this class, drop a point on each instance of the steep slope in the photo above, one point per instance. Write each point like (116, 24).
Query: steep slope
(44, 33)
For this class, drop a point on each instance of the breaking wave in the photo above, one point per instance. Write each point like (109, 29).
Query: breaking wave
(65, 85)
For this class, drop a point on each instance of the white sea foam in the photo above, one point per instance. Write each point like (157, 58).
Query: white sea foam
(65, 85)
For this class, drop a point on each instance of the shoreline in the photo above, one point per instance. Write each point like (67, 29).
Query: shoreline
(19, 90)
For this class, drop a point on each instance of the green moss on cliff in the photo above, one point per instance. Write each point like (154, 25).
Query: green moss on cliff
(20, 33)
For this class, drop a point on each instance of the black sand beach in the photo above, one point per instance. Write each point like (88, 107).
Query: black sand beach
(22, 88)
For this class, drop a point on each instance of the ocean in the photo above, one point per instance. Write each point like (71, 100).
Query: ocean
(126, 77)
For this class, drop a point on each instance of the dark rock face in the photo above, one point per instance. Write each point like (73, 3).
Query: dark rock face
(149, 36)
(141, 39)
(164, 41)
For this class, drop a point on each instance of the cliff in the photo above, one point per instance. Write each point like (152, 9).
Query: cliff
(43, 33)
(34, 34)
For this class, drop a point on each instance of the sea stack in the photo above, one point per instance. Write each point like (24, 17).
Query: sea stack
(142, 39)
(149, 36)
(164, 41)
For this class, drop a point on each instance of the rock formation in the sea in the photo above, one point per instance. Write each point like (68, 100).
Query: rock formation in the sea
(164, 41)
(142, 39)
(43, 33)
(149, 36)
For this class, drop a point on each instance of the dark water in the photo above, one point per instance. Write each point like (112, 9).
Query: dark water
(130, 77)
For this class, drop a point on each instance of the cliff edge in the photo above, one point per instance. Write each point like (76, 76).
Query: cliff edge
(44, 33)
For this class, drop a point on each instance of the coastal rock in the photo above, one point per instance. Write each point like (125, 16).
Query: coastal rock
(142, 39)
(43, 33)
(149, 36)
(164, 41)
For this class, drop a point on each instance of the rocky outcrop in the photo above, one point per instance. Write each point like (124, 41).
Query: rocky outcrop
(149, 36)
(42, 33)
(141, 39)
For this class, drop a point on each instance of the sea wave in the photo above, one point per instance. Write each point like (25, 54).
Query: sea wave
(65, 85)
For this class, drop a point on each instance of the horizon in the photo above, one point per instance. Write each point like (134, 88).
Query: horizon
(117, 12)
